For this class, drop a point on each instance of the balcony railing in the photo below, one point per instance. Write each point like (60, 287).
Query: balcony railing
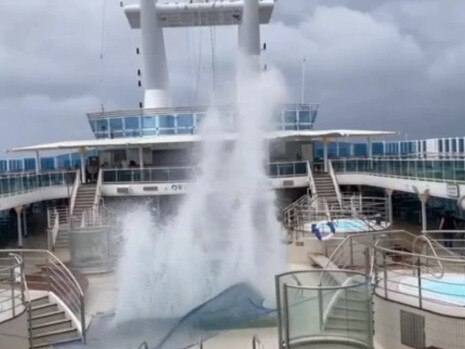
(27, 182)
(438, 170)
(187, 174)
(188, 120)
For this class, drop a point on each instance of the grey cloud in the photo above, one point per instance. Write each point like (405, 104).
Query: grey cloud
(391, 64)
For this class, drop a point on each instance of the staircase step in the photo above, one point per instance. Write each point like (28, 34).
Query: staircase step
(48, 317)
(43, 309)
(44, 340)
(52, 326)
(344, 314)
(40, 301)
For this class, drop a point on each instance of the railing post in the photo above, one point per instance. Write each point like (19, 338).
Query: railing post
(286, 312)
(83, 319)
(12, 284)
(385, 275)
(366, 252)
(351, 249)
(320, 310)
(420, 301)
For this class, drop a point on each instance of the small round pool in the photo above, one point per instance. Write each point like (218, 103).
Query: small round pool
(346, 225)
(449, 288)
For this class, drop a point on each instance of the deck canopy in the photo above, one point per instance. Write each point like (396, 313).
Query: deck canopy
(168, 141)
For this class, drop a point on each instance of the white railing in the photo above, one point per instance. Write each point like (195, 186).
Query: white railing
(13, 296)
(311, 180)
(50, 274)
(98, 192)
(54, 231)
(77, 183)
(334, 179)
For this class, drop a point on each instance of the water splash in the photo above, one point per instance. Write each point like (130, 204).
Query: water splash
(225, 232)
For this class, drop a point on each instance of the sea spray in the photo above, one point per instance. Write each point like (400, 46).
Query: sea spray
(225, 231)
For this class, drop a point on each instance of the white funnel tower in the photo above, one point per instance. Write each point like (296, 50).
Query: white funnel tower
(155, 71)
(249, 39)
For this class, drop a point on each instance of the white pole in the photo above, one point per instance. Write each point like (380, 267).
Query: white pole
(249, 39)
(141, 157)
(24, 222)
(325, 154)
(154, 57)
(37, 162)
(423, 199)
(18, 210)
(83, 165)
(302, 91)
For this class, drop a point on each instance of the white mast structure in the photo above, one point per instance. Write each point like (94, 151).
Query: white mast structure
(151, 16)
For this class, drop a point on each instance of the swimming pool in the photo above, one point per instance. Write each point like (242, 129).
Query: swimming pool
(345, 225)
(450, 288)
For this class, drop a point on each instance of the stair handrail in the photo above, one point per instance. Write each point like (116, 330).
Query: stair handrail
(428, 242)
(59, 281)
(311, 180)
(257, 342)
(98, 194)
(55, 229)
(335, 184)
(77, 183)
(143, 345)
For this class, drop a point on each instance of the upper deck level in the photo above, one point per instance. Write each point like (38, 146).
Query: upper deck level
(188, 120)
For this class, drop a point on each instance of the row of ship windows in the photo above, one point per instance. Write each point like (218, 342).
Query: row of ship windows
(187, 123)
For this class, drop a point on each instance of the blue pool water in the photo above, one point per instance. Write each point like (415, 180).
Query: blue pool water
(448, 286)
(345, 225)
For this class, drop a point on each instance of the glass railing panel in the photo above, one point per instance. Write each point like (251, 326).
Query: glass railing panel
(303, 312)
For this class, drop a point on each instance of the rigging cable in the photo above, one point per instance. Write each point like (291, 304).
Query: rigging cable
(102, 45)
(199, 64)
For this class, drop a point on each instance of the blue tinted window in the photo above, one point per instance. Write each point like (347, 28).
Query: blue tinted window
(15, 165)
(454, 145)
(131, 123)
(332, 149)
(92, 125)
(447, 146)
(47, 163)
(149, 122)
(378, 148)
(440, 145)
(101, 125)
(290, 117)
(29, 164)
(461, 145)
(344, 149)
(166, 121)
(318, 150)
(304, 116)
(185, 120)
(3, 165)
(116, 124)
(360, 149)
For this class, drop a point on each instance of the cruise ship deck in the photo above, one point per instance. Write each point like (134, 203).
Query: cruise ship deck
(240, 225)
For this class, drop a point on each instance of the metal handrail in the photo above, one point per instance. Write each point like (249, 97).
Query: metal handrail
(10, 281)
(58, 279)
(257, 342)
(428, 241)
(77, 183)
(143, 345)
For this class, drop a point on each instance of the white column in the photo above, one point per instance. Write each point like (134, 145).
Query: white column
(82, 151)
(325, 154)
(24, 222)
(18, 210)
(369, 147)
(423, 199)
(155, 71)
(141, 157)
(37, 162)
(389, 205)
(249, 39)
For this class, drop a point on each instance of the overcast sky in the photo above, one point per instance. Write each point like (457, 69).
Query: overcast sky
(384, 64)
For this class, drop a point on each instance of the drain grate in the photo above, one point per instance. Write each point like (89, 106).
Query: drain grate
(412, 330)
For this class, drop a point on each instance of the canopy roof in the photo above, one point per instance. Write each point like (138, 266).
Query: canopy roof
(171, 140)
